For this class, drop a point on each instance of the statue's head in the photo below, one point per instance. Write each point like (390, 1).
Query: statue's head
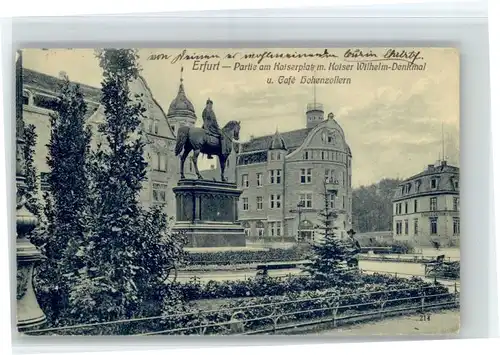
(209, 103)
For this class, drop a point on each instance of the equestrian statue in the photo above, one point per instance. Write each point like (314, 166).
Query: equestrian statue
(209, 139)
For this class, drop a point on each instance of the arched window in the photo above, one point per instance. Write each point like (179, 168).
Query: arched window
(27, 98)
(246, 227)
(259, 226)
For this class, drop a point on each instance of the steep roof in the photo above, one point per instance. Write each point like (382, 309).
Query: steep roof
(50, 84)
(277, 142)
(420, 184)
(255, 151)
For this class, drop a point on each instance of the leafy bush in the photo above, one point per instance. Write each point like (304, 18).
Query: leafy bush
(449, 270)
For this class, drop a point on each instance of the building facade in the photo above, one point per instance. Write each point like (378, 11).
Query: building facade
(39, 100)
(283, 179)
(426, 207)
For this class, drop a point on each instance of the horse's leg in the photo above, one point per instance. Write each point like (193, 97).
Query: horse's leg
(184, 155)
(196, 153)
(222, 162)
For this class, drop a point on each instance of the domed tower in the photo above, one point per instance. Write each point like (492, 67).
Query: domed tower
(314, 113)
(181, 111)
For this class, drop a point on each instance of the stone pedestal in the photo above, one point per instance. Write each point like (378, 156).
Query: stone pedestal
(207, 211)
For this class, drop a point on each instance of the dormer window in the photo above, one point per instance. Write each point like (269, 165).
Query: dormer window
(434, 183)
(407, 188)
(417, 185)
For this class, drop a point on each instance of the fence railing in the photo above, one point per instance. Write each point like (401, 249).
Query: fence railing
(405, 258)
(305, 311)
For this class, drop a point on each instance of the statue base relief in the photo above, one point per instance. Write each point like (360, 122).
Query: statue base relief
(207, 212)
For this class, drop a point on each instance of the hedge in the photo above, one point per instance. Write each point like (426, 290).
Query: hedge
(247, 257)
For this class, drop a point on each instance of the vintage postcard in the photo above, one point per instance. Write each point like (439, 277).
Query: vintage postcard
(196, 191)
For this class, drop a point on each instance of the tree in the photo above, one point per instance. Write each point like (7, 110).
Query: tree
(130, 250)
(330, 256)
(372, 206)
(65, 219)
(30, 172)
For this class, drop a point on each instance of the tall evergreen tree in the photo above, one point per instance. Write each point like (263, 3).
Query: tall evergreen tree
(30, 172)
(130, 249)
(64, 222)
(330, 255)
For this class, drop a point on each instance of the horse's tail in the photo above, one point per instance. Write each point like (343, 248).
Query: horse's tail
(182, 136)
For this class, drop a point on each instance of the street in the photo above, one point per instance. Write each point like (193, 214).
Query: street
(442, 322)
(397, 269)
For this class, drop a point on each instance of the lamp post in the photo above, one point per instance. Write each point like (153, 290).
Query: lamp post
(29, 314)
(300, 205)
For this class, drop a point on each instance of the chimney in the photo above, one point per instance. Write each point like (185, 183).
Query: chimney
(444, 163)
(252, 137)
(430, 167)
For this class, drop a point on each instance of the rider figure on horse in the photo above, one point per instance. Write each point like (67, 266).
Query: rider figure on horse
(210, 124)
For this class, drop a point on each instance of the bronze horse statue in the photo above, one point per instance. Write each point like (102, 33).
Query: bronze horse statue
(199, 141)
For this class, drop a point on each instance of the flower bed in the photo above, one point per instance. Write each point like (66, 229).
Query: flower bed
(275, 287)
(294, 304)
(299, 306)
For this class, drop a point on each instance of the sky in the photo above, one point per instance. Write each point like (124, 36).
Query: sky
(394, 121)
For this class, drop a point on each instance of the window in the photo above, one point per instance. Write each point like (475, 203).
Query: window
(307, 155)
(159, 192)
(399, 228)
(259, 203)
(456, 184)
(434, 183)
(456, 226)
(415, 206)
(259, 179)
(159, 161)
(331, 200)
(417, 185)
(275, 176)
(456, 204)
(275, 201)
(172, 128)
(245, 203)
(259, 226)
(323, 155)
(433, 205)
(343, 202)
(306, 200)
(330, 176)
(406, 207)
(433, 225)
(278, 156)
(244, 180)
(415, 226)
(275, 228)
(306, 176)
(271, 155)
(406, 226)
